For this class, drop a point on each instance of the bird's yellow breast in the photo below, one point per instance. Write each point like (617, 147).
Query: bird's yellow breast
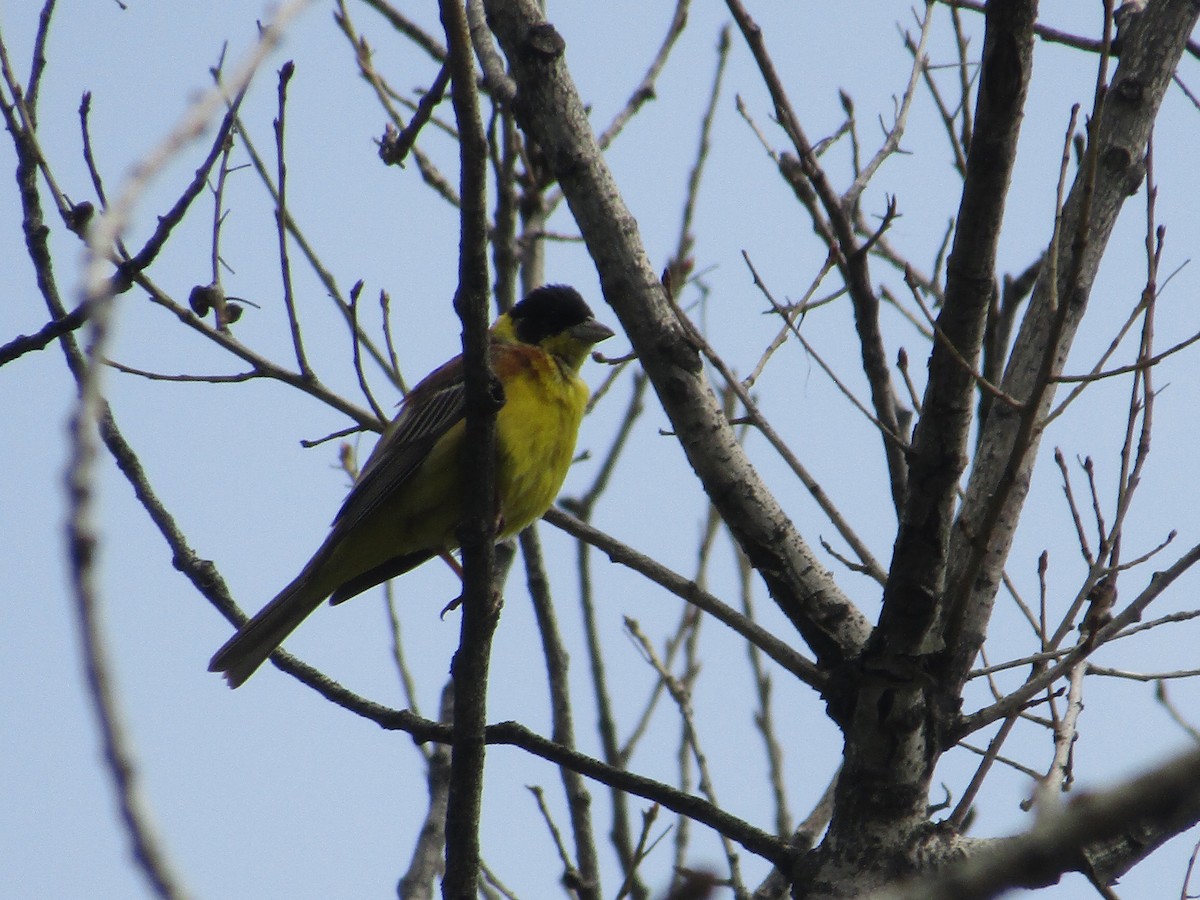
(535, 437)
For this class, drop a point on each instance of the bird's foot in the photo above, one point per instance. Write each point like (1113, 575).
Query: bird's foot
(452, 605)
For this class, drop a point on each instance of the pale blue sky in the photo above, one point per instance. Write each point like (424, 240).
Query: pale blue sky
(272, 792)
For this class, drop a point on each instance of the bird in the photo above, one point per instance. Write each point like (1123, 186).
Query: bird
(407, 503)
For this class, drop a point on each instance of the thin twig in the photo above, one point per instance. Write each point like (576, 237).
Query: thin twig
(830, 372)
(1003, 760)
(237, 378)
(44, 336)
(281, 217)
(157, 295)
(645, 88)
(1160, 694)
(796, 311)
(891, 143)
(963, 809)
(426, 864)
(586, 877)
(992, 390)
(1108, 672)
(37, 64)
(1084, 547)
(396, 146)
(356, 353)
(779, 651)
(764, 718)
(640, 851)
(570, 873)
(1060, 775)
(682, 697)
(946, 114)
(407, 684)
(323, 274)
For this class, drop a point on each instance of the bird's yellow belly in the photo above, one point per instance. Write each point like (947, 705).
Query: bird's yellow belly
(535, 437)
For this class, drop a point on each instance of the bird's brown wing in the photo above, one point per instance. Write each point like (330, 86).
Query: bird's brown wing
(431, 409)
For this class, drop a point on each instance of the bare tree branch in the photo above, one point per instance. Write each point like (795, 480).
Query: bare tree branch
(916, 580)
(1153, 43)
(1063, 840)
(549, 109)
(480, 600)
(40, 339)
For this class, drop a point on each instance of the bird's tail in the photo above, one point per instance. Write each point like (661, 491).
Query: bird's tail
(255, 641)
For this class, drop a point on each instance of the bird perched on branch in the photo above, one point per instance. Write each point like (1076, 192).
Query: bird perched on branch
(409, 499)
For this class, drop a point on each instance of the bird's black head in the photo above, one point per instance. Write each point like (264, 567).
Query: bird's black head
(547, 311)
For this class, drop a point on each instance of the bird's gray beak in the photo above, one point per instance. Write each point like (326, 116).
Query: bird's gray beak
(591, 331)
